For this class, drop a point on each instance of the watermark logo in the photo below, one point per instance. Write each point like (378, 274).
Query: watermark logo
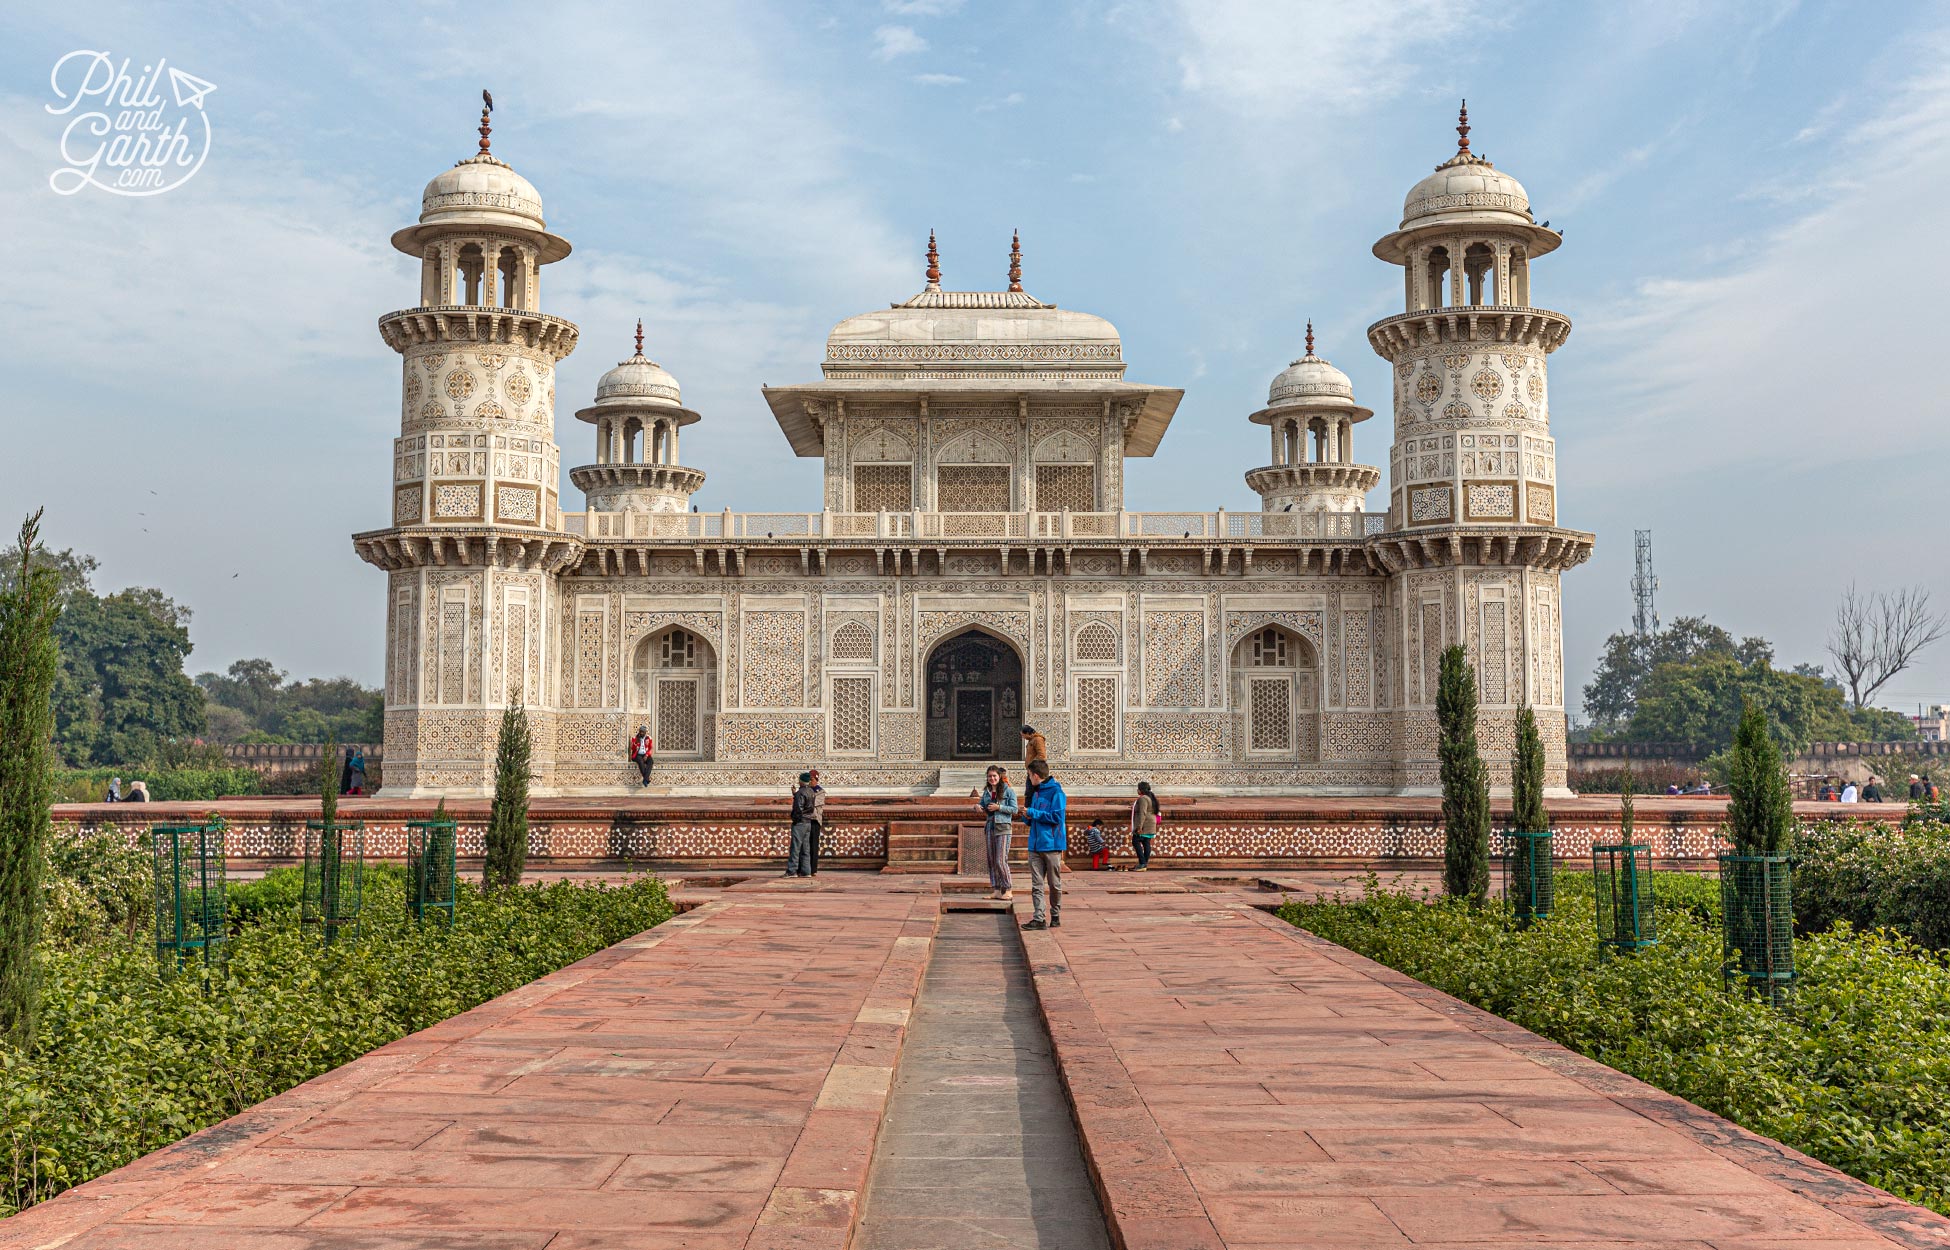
(124, 134)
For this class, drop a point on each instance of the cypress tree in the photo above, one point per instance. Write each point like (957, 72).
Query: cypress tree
(328, 783)
(507, 831)
(28, 661)
(1465, 782)
(1625, 813)
(1761, 811)
(1527, 777)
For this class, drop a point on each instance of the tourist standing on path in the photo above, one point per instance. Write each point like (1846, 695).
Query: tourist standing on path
(798, 858)
(997, 802)
(1915, 788)
(1849, 794)
(1034, 747)
(355, 766)
(1049, 835)
(818, 818)
(1872, 793)
(1144, 825)
(1099, 846)
(643, 752)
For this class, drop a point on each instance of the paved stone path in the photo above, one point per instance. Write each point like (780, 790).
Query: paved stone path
(1240, 1083)
(720, 1084)
(978, 1149)
(714, 1084)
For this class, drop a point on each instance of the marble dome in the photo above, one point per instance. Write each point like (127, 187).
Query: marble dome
(1468, 186)
(636, 381)
(1309, 377)
(481, 189)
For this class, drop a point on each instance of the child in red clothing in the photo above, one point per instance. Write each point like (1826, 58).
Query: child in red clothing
(1099, 846)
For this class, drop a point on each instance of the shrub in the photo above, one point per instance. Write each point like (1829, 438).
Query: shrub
(1868, 875)
(98, 886)
(1854, 1069)
(166, 785)
(129, 1061)
(29, 659)
(1648, 777)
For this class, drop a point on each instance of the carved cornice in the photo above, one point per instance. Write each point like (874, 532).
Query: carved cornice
(451, 547)
(1483, 326)
(674, 478)
(413, 327)
(1555, 550)
(1285, 478)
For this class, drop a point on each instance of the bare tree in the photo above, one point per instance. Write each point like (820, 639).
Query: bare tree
(1879, 635)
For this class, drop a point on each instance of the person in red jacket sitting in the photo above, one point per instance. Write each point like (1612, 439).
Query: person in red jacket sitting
(643, 752)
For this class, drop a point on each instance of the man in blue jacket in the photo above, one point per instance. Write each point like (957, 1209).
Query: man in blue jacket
(1049, 836)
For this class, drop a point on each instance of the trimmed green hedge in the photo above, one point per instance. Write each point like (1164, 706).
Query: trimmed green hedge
(1855, 1070)
(128, 1061)
(1874, 876)
(166, 785)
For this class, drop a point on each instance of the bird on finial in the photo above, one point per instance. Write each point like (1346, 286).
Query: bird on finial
(1462, 127)
(934, 264)
(1015, 261)
(639, 336)
(487, 106)
(1310, 336)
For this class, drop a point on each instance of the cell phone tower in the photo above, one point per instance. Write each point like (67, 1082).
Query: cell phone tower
(1645, 615)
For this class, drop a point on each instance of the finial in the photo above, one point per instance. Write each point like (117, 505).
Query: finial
(934, 265)
(639, 336)
(1462, 127)
(1310, 336)
(487, 106)
(1015, 261)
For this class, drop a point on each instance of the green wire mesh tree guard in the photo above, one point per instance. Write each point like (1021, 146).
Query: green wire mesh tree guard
(1621, 881)
(191, 922)
(430, 877)
(335, 869)
(1528, 881)
(1757, 904)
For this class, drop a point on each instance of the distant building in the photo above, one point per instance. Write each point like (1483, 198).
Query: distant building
(973, 568)
(1934, 723)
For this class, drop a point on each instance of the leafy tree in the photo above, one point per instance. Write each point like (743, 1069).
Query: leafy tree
(1701, 701)
(507, 831)
(30, 606)
(1527, 777)
(1760, 811)
(121, 696)
(253, 702)
(1611, 698)
(1465, 782)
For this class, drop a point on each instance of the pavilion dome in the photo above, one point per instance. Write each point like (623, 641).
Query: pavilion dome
(482, 190)
(1466, 185)
(637, 380)
(1309, 377)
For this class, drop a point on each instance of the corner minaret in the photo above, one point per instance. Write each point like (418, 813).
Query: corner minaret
(475, 524)
(1472, 542)
(637, 414)
(1311, 413)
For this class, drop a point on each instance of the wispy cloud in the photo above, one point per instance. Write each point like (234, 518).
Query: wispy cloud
(1008, 101)
(921, 8)
(940, 80)
(1823, 330)
(1274, 58)
(890, 42)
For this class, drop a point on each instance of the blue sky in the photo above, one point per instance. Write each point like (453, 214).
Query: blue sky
(1751, 195)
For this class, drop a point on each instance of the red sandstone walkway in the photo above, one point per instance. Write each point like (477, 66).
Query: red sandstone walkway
(718, 1084)
(715, 1084)
(1240, 1083)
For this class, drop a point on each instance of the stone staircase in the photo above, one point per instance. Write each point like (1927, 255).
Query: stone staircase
(922, 846)
(957, 780)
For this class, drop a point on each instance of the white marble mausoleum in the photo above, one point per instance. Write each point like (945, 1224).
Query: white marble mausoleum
(975, 564)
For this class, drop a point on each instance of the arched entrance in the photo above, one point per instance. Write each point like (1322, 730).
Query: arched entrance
(1276, 691)
(673, 690)
(974, 698)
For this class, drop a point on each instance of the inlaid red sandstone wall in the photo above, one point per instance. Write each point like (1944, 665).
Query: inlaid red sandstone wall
(1203, 832)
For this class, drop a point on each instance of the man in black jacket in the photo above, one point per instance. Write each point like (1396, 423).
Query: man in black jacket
(798, 860)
